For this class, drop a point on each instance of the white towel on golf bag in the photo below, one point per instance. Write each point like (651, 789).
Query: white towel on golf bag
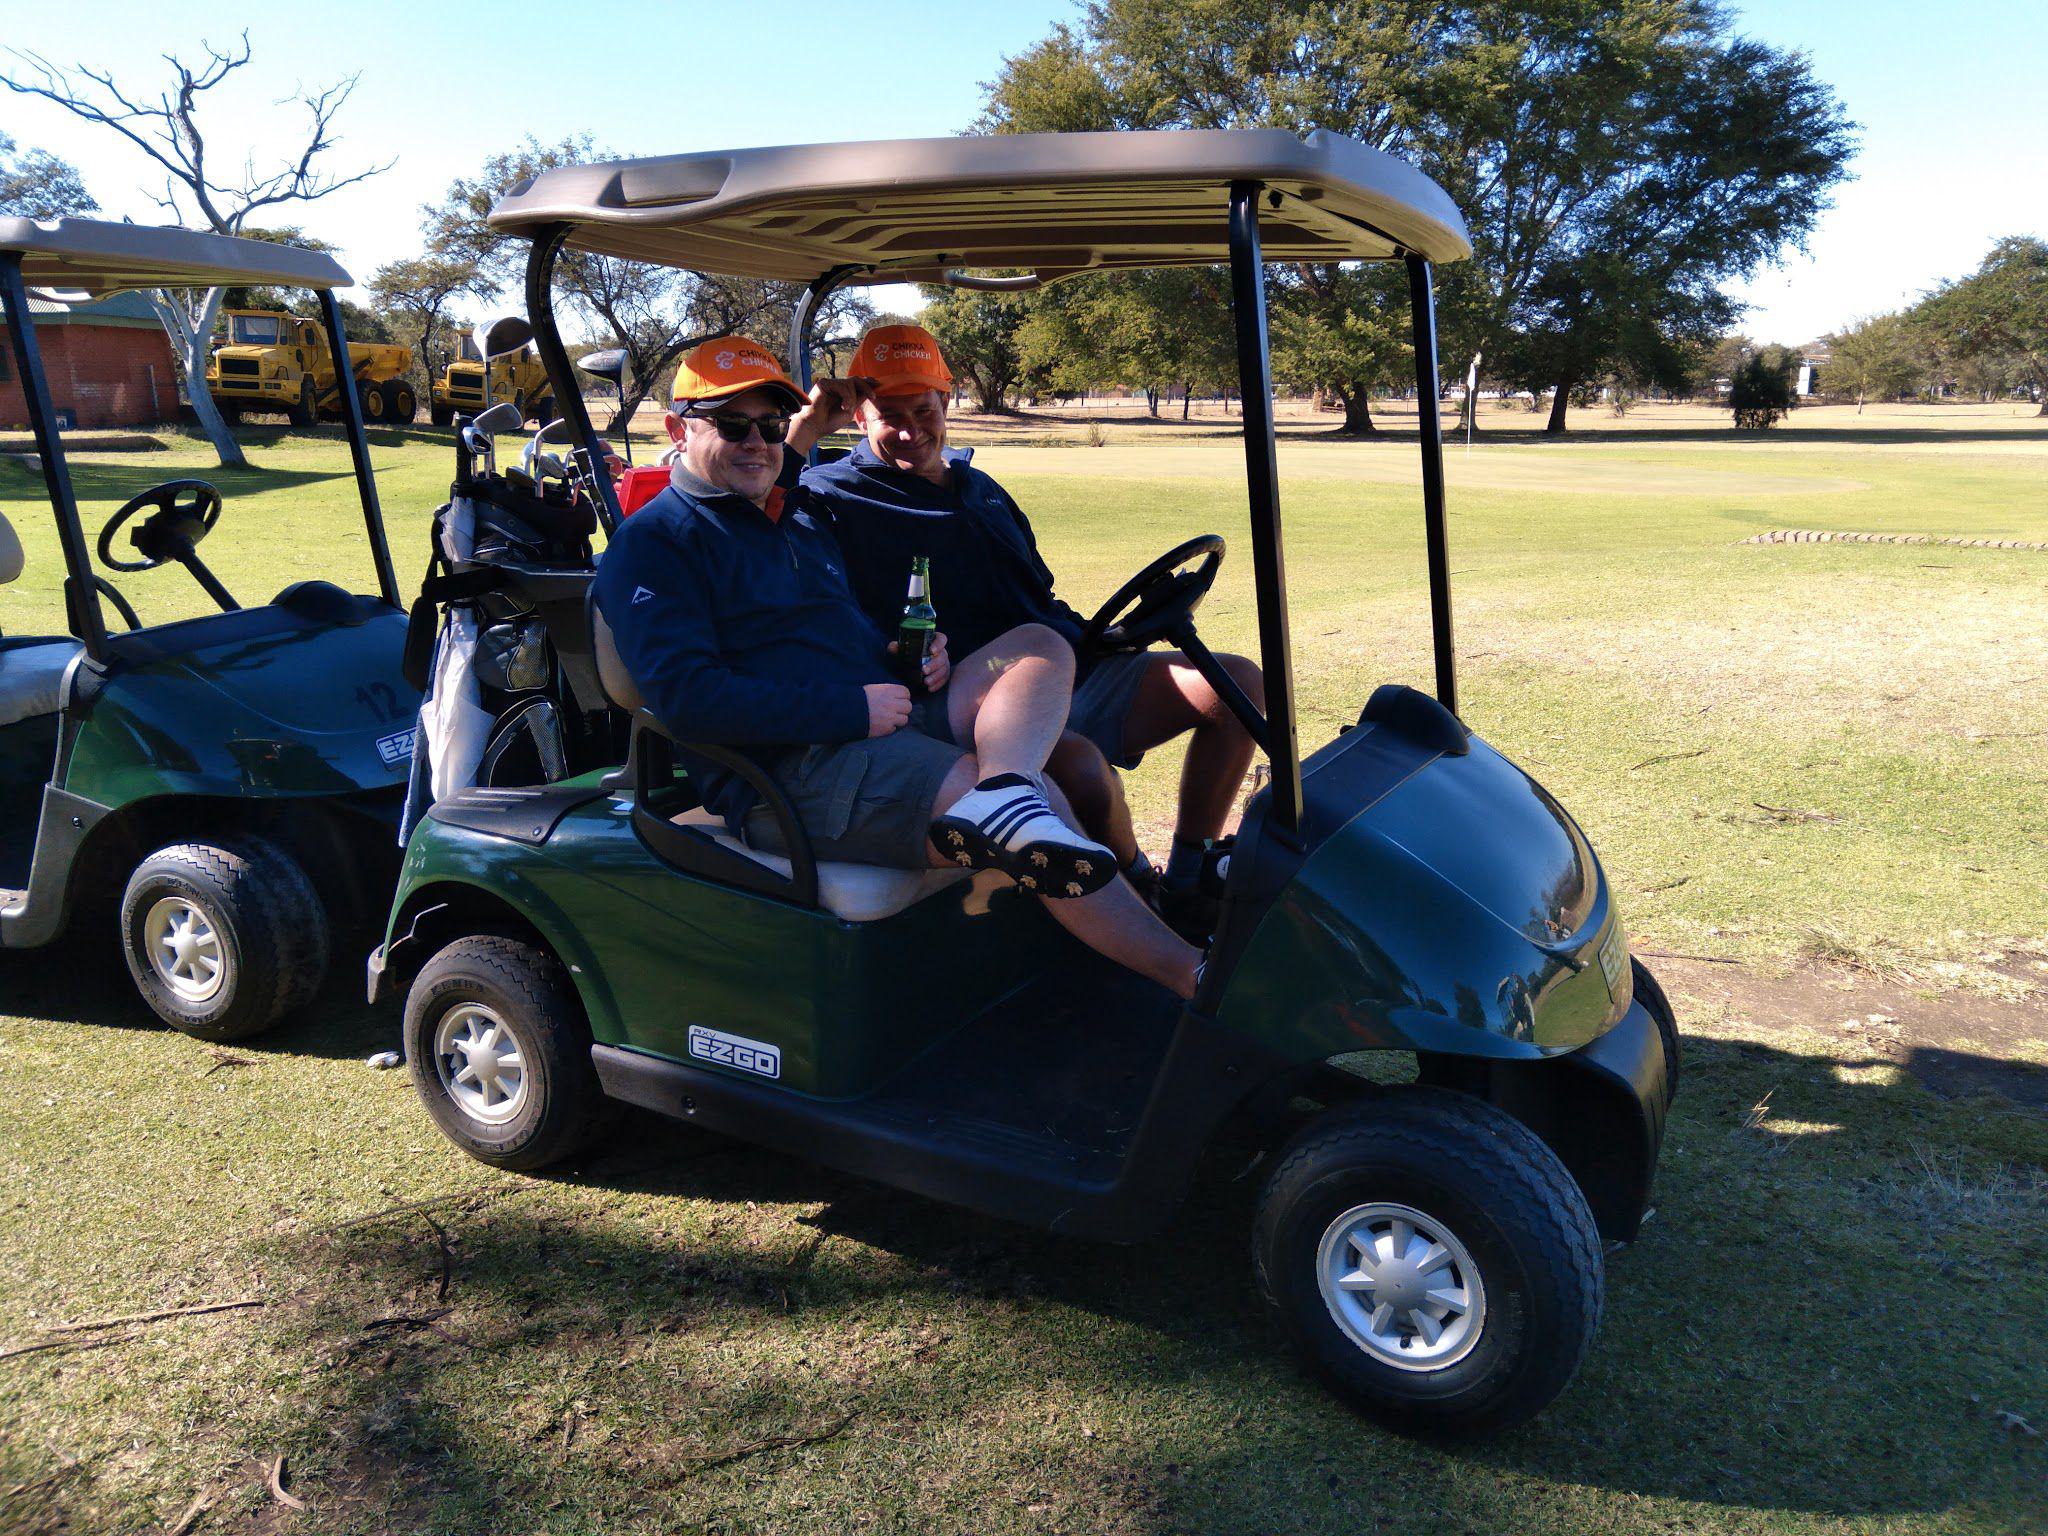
(453, 722)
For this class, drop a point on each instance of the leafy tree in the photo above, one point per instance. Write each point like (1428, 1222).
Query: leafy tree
(1761, 393)
(37, 185)
(980, 335)
(169, 131)
(1618, 160)
(415, 293)
(2001, 309)
(1152, 329)
(1880, 355)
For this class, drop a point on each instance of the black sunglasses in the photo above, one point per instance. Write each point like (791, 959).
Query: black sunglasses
(734, 427)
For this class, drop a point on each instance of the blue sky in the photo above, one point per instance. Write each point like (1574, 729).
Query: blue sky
(1952, 155)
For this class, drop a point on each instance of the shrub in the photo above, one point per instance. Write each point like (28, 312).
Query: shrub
(1761, 392)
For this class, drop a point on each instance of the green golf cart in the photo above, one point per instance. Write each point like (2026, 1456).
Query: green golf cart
(1419, 1004)
(231, 781)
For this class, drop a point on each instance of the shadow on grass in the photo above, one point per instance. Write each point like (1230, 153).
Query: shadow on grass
(1777, 1341)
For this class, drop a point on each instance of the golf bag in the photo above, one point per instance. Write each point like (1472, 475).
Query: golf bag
(498, 642)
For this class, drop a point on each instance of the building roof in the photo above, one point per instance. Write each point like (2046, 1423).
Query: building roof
(94, 256)
(1050, 203)
(129, 310)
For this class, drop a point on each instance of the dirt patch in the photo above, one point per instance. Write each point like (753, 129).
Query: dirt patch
(1956, 1043)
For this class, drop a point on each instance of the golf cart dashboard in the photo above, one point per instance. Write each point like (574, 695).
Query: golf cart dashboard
(304, 608)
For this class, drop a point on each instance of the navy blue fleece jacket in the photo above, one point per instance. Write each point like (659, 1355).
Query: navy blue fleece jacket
(740, 629)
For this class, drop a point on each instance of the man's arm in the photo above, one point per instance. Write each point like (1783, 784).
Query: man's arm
(659, 605)
(834, 404)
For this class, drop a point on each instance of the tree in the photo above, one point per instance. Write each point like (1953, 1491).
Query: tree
(1144, 328)
(37, 185)
(1617, 160)
(1879, 355)
(2000, 309)
(1761, 392)
(168, 130)
(415, 293)
(979, 333)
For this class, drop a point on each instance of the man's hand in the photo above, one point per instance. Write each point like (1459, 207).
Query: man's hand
(888, 708)
(938, 666)
(834, 404)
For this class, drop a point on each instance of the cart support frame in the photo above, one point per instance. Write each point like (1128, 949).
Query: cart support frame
(547, 340)
(1429, 420)
(359, 446)
(1262, 482)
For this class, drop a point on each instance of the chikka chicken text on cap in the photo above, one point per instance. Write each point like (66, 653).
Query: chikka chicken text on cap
(902, 360)
(727, 366)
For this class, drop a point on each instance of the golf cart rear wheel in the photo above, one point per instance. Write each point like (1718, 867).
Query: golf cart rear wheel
(223, 940)
(498, 1049)
(1650, 993)
(1432, 1260)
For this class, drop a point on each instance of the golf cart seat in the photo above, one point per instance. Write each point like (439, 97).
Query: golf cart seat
(31, 671)
(856, 893)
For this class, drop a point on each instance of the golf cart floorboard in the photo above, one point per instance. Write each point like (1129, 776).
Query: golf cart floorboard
(1021, 1112)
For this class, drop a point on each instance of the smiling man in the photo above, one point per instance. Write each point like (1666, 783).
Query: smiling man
(728, 601)
(902, 493)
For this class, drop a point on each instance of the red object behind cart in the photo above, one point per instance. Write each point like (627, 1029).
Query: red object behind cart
(639, 485)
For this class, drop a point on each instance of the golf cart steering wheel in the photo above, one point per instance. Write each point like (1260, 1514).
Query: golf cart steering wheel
(1156, 603)
(182, 513)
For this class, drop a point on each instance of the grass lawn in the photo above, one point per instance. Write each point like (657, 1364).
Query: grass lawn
(1822, 767)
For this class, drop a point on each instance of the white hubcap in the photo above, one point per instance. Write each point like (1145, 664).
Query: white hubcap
(1401, 1286)
(480, 1063)
(184, 948)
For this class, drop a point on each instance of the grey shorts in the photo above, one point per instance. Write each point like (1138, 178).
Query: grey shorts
(1103, 702)
(862, 802)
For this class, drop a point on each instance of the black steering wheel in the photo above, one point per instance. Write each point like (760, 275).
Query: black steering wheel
(1157, 602)
(182, 512)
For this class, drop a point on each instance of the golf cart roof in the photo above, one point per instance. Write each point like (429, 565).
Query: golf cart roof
(1051, 203)
(95, 256)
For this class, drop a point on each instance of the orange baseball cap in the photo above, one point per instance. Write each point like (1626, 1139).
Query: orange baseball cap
(902, 360)
(726, 366)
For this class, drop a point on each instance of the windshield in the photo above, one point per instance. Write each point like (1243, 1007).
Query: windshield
(254, 330)
(468, 351)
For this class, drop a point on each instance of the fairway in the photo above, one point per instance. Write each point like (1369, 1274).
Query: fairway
(1819, 770)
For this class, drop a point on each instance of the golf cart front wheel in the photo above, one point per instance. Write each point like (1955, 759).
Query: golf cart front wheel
(498, 1049)
(1432, 1260)
(223, 940)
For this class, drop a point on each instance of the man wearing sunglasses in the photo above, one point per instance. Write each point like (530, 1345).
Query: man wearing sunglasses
(902, 492)
(728, 601)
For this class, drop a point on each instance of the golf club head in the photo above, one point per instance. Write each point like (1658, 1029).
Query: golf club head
(508, 333)
(496, 422)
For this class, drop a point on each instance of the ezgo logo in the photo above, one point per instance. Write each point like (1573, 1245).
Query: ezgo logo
(721, 1049)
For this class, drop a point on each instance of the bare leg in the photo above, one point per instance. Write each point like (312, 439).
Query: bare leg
(1092, 788)
(1173, 697)
(1114, 921)
(1009, 700)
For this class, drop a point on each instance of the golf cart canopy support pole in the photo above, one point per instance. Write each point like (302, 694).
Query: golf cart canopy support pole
(81, 597)
(1262, 480)
(808, 304)
(359, 446)
(547, 340)
(1422, 305)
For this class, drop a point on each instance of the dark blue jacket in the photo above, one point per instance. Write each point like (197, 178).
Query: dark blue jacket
(740, 631)
(987, 576)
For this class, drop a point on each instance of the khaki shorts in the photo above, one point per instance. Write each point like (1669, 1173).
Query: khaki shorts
(862, 802)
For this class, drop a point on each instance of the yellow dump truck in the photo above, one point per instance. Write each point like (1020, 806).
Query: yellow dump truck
(272, 361)
(516, 376)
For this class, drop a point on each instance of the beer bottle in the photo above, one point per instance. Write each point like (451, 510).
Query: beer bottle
(920, 623)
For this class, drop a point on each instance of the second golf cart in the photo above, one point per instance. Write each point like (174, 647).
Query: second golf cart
(1419, 1004)
(232, 782)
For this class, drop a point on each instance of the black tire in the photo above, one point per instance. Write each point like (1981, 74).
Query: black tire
(1650, 993)
(524, 990)
(271, 937)
(306, 409)
(402, 403)
(1489, 1182)
(544, 410)
(233, 415)
(375, 396)
(441, 415)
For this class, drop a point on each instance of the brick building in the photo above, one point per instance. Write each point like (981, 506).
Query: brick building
(108, 362)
